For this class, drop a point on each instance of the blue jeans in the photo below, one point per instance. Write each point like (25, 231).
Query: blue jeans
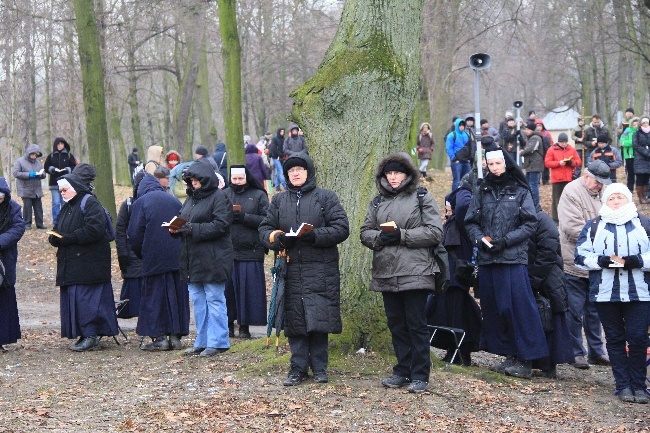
(626, 322)
(533, 181)
(458, 170)
(582, 313)
(210, 315)
(279, 175)
(57, 200)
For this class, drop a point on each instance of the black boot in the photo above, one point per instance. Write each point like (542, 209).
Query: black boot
(508, 362)
(521, 369)
(231, 329)
(159, 344)
(87, 344)
(244, 332)
(175, 342)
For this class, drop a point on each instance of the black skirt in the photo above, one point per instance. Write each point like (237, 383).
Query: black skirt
(88, 310)
(164, 306)
(246, 294)
(9, 323)
(131, 288)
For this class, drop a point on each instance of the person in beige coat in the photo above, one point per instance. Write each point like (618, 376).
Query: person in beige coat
(154, 158)
(580, 203)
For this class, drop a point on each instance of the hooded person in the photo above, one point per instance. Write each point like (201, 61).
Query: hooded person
(130, 264)
(608, 154)
(164, 303)
(627, 150)
(28, 172)
(403, 266)
(454, 142)
(154, 158)
(87, 303)
(641, 146)
(172, 159)
(246, 290)
(221, 158)
(206, 257)
(276, 152)
(12, 228)
(255, 164)
(59, 162)
(425, 147)
(312, 284)
(294, 143)
(499, 222)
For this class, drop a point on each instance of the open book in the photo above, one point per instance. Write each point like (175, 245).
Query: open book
(617, 262)
(176, 223)
(53, 233)
(303, 229)
(390, 226)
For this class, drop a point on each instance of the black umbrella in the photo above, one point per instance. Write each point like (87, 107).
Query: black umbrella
(276, 306)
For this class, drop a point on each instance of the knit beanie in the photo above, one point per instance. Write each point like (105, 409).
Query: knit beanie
(294, 162)
(531, 126)
(394, 166)
(201, 150)
(616, 188)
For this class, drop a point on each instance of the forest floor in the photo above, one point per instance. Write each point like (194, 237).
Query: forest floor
(46, 387)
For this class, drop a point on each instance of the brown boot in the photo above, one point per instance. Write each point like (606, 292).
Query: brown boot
(641, 192)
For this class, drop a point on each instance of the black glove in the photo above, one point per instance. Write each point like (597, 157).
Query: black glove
(498, 245)
(123, 262)
(186, 228)
(604, 261)
(287, 241)
(633, 262)
(309, 238)
(67, 240)
(238, 217)
(54, 241)
(391, 238)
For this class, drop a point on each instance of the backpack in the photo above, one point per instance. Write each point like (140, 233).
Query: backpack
(645, 223)
(138, 168)
(109, 232)
(440, 254)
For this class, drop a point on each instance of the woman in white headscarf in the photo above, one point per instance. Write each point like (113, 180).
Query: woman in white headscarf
(615, 249)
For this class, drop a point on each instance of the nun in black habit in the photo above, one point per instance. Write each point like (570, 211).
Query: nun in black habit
(246, 290)
(83, 263)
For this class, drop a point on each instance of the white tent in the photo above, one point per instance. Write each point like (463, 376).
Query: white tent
(561, 119)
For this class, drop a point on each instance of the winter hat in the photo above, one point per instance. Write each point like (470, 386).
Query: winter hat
(509, 118)
(86, 174)
(294, 127)
(630, 110)
(135, 149)
(508, 114)
(294, 162)
(602, 138)
(531, 126)
(469, 118)
(172, 157)
(161, 172)
(201, 150)
(563, 137)
(644, 120)
(268, 135)
(616, 188)
(394, 166)
(599, 170)
(486, 140)
(531, 112)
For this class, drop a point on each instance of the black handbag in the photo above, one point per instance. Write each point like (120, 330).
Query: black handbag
(545, 312)
(466, 273)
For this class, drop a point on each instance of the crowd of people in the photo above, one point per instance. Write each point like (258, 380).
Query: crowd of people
(194, 231)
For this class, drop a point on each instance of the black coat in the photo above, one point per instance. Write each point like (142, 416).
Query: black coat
(641, 146)
(87, 260)
(502, 211)
(312, 290)
(206, 250)
(277, 145)
(123, 244)
(545, 265)
(246, 241)
(62, 160)
(151, 242)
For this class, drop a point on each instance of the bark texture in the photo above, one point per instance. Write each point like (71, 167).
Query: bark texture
(356, 109)
(92, 75)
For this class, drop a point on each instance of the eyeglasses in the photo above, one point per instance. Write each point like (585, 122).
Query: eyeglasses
(296, 170)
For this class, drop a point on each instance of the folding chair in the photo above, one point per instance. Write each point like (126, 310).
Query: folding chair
(119, 306)
(450, 337)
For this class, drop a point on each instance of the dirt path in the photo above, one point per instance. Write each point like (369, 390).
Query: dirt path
(46, 387)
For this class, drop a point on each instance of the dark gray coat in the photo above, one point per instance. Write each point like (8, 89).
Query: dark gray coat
(409, 265)
(246, 240)
(503, 210)
(641, 146)
(312, 297)
(29, 187)
(533, 153)
(206, 251)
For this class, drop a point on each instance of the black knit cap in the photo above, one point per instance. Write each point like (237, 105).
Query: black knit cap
(294, 162)
(201, 150)
(394, 166)
(602, 138)
(531, 126)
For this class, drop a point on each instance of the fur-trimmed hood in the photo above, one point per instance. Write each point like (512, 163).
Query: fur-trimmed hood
(404, 159)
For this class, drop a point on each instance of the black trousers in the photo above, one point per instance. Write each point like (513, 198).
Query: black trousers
(629, 169)
(407, 322)
(37, 205)
(309, 351)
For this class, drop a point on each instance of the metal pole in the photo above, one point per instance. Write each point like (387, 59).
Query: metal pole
(518, 136)
(477, 120)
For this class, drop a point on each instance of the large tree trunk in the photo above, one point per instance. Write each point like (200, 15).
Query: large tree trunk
(92, 76)
(231, 55)
(202, 100)
(355, 110)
